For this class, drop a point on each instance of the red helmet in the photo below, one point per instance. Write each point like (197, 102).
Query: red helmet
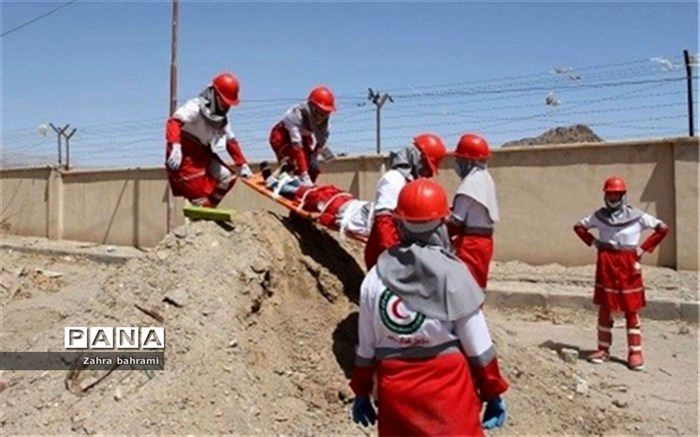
(472, 147)
(323, 98)
(226, 86)
(432, 148)
(422, 200)
(615, 184)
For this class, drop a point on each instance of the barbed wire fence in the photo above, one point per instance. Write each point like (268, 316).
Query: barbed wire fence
(639, 99)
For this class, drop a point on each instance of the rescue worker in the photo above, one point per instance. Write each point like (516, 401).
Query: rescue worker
(293, 137)
(201, 145)
(337, 209)
(475, 207)
(422, 332)
(618, 281)
(421, 159)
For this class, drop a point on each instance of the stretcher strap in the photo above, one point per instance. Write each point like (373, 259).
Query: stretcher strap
(302, 202)
(332, 199)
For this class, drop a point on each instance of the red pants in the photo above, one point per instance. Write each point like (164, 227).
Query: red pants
(433, 396)
(618, 281)
(201, 178)
(299, 157)
(605, 324)
(332, 198)
(476, 251)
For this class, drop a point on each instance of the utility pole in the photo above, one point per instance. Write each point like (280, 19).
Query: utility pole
(689, 74)
(379, 100)
(68, 147)
(173, 102)
(59, 135)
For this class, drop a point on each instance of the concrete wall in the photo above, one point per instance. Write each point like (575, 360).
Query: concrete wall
(542, 192)
(25, 201)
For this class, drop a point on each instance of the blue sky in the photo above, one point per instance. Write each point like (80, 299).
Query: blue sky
(103, 67)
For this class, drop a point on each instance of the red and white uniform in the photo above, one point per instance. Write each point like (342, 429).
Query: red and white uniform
(384, 233)
(474, 213)
(339, 209)
(299, 127)
(431, 374)
(618, 283)
(202, 177)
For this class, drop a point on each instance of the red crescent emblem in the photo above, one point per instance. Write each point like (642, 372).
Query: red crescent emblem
(395, 310)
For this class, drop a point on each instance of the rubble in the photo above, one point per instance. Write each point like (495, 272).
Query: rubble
(569, 355)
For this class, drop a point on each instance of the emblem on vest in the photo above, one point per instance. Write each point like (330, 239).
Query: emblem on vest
(396, 316)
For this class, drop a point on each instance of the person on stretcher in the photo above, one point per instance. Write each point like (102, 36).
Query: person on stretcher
(338, 209)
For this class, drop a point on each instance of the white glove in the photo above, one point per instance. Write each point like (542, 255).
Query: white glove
(175, 158)
(305, 179)
(246, 172)
(640, 252)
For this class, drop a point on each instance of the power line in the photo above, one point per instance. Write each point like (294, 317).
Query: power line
(510, 90)
(46, 14)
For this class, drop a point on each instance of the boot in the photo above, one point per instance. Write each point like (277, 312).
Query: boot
(599, 356)
(635, 361)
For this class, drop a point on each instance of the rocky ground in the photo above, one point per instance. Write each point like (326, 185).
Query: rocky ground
(261, 322)
(659, 282)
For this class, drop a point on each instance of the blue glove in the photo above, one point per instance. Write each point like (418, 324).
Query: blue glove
(363, 411)
(494, 413)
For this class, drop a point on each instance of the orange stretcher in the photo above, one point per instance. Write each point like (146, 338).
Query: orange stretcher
(257, 183)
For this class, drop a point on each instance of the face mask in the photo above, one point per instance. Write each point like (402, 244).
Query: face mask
(421, 227)
(616, 204)
(318, 114)
(463, 167)
(418, 166)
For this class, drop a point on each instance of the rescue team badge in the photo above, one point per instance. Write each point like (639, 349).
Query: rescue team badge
(396, 316)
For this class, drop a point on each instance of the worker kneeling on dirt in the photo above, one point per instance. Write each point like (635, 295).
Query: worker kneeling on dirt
(475, 207)
(293, 137)
(338, 209)
(618, 279)
(421, 159)
(422, 332)
(201, 145)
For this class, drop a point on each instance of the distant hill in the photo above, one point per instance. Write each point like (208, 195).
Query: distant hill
(579, 133)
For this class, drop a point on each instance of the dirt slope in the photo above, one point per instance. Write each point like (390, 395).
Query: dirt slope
(261, 323)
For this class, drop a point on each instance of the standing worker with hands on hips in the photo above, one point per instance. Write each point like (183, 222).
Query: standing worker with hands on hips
(618, 278)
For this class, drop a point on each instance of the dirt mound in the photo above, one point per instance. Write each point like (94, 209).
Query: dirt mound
(578, 133)
(261, 321)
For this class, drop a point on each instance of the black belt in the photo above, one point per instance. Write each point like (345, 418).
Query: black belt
(475, 230)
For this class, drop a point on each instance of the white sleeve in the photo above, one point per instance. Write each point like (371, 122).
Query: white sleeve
(229, 132)
(475, 338)
(648, 221)
(187, 112)
(365, 325)
(291, 122)
(588, 222)
(460, 207)
(388, 189)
